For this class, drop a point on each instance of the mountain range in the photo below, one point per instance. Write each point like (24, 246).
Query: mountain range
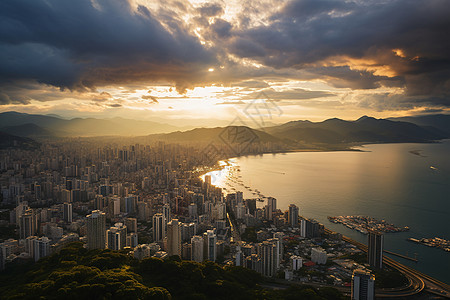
(33, 125)
(364, 130)
(329, 132)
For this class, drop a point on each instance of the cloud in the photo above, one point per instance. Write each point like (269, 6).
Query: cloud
(239, 102)
(153, 99)
(307, 34)
(251, 84)
(292, 94)
(80, 45)
(210, 9)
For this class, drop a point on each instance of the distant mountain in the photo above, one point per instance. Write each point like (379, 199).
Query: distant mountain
(28, 130)
(329, 132)
(80, 126)
(227, 134)
(364, 130)
(439, 121)
(15, 142)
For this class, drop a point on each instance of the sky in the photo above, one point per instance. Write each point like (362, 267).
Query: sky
(209, 62)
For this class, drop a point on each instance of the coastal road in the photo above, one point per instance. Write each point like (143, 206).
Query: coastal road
(417, 280)
(234, 232)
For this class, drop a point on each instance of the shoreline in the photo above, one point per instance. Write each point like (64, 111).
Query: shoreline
(349, 148)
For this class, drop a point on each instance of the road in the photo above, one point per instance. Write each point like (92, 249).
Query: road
(417, 280)
(234, 231)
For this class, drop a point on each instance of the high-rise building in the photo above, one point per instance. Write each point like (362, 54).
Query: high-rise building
(67, 212)
(279, 236)
(41, 248)
(239, 258)
(130, 203)
(115, 206)
(270, 208)
(277, 255)
(2, 260)
(239, 197)
(117, 237)
(144, 211)
(293, 215)
(240, 210)
(197, 248)
(113, 239)
(220, 211)
(167, 214)
(309, 228)
(363, 285)
(192, 209)
(132, 240)
(297, 262)
(28, 224)
(96, 230)
(375, 249)
(267, 251)
(319, 256)
(131, 224)
(174, 238)
(210, 240)
(159, 227)
(272, 202)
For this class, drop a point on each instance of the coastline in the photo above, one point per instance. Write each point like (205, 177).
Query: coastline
(353, 147)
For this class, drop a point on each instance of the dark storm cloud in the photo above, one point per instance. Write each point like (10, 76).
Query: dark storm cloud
(292, 94)
(211, 9)
(309, 33)
(83, 44)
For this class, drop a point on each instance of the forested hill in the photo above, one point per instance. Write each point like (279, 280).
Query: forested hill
(78, 273)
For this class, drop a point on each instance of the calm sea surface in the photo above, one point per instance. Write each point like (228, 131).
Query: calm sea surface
(393, 182)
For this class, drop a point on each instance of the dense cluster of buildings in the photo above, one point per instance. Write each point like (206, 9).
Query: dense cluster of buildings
(149, 200)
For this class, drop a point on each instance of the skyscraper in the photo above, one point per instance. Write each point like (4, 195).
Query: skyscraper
(363, 285)
(96, 230)
(197, 248)
(375, 251)
(113, 239)
(210, 240)
(131, 224)
(28, 224)
(174, 237)
(159, 227)
(2, 260)
(279, 236)
(270, 208)
(293, 215)
(117, 237)
(41, 248)
(267, 251)
(167, 214)
(277, 255)
(67, 212)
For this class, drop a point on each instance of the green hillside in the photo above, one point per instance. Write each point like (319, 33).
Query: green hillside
(78, 273)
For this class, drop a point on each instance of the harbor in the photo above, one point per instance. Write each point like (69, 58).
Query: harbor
(433, 242)
(364, 224)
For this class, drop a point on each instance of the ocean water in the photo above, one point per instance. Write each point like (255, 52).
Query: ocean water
(404, 184)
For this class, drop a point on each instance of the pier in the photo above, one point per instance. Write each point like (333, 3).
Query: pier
(401, 255)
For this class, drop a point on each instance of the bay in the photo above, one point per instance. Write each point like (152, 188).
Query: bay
(404, 184)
